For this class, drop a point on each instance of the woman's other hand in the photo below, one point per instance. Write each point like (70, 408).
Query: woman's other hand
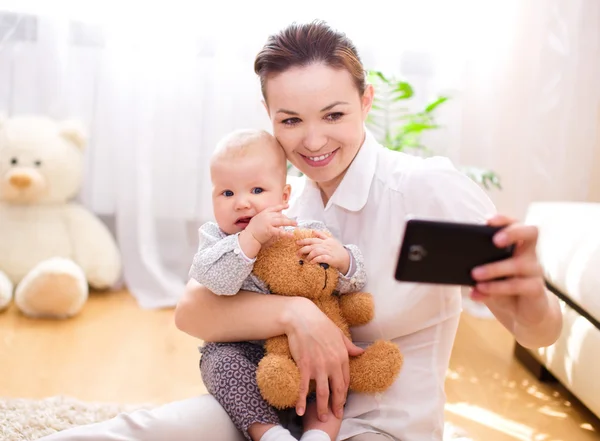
(520, 301)
(321, 351)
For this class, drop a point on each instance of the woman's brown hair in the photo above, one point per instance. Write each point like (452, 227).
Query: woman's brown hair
(299, 45)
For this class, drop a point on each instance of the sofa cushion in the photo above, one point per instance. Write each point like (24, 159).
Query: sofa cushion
(574, 358)
(569, 249)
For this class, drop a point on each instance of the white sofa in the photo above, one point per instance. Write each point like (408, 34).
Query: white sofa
(569, 250)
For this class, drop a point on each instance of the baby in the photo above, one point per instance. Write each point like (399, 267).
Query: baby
(248, 172)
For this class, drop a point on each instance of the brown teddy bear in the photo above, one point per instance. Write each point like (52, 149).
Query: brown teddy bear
(285, 273)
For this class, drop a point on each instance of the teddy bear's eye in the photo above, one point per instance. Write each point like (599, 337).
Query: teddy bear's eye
(14, 161)
(301, 262)
(37, 163)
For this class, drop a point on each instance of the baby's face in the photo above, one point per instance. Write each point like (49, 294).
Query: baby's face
(243, 187)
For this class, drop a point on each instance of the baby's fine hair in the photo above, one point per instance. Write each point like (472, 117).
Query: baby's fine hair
(244, 142)
(240, 142)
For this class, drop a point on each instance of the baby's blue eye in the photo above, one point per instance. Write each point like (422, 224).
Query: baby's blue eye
(257, 190)
(228, 193)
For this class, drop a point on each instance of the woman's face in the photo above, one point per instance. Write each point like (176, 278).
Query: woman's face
(318, 118)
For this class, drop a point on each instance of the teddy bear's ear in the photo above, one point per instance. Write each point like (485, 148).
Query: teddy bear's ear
(74, 132)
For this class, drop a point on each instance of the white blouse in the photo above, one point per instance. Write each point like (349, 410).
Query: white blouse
(379, 191)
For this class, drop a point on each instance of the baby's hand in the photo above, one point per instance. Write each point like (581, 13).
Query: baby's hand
(325, 249)
(268, 223)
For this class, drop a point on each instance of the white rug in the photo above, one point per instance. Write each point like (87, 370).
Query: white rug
(27, 419)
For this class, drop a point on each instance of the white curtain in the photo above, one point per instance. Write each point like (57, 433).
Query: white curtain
(157, 85)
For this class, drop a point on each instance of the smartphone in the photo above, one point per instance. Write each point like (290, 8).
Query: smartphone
(443, 252)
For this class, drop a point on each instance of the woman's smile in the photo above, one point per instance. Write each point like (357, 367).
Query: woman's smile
(320, 160)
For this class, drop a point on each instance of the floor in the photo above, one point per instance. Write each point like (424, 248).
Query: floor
(114, 351)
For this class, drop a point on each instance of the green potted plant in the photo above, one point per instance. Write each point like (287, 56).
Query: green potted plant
(398, 129)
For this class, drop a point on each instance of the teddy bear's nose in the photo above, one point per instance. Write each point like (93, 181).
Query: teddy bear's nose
(20, 181)
(325, 266)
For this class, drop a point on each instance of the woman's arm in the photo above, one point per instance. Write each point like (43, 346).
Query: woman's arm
(245, 316)
(541, 332)
(318, 346)
(520, 300)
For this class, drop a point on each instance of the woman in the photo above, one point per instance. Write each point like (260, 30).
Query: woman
(315, 93)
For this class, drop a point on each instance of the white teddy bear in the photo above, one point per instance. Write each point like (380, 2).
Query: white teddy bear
(51, 249)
